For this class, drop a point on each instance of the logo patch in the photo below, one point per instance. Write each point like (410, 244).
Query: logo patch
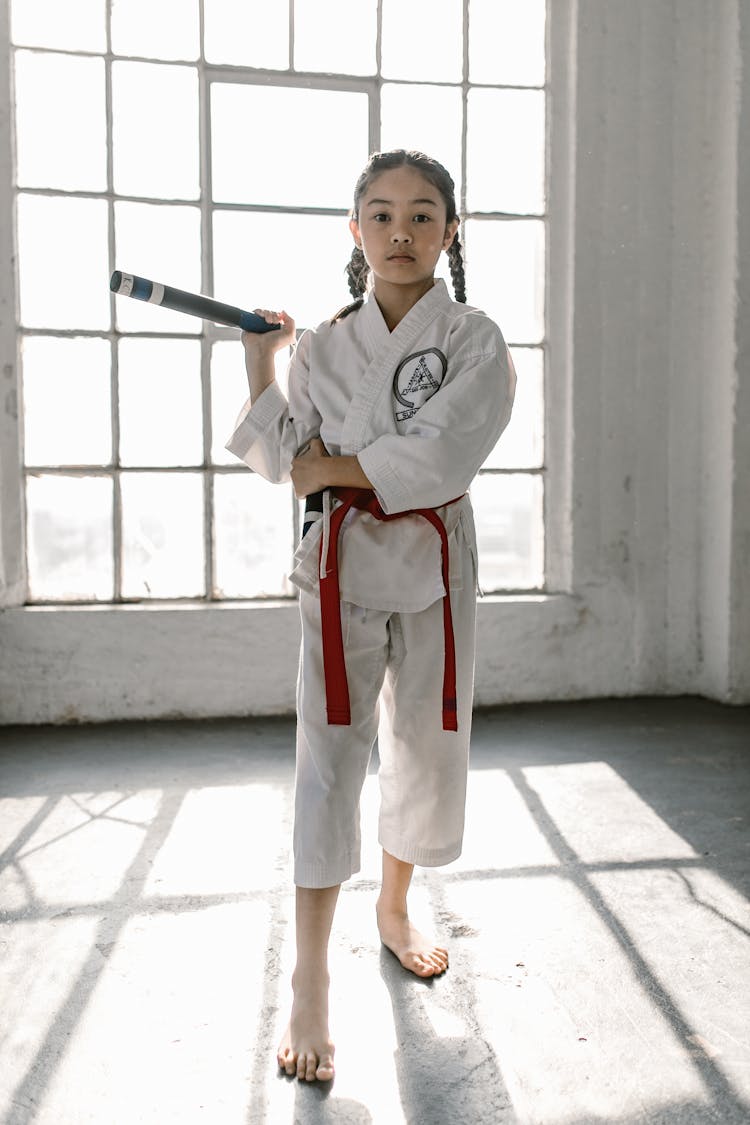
(416, 380)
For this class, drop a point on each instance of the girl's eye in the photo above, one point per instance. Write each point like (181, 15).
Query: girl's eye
(421, 218)
(381, 217)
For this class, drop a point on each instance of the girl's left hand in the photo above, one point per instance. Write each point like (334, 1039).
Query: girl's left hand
(309, 469)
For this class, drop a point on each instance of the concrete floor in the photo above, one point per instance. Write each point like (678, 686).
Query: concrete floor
(597, 920)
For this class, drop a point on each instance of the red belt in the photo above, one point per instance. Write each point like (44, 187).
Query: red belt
(334, 665)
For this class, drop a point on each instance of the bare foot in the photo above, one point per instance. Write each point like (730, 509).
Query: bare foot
(416, 952)
(306, 1048)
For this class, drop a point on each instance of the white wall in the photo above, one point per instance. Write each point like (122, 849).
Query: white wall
(648, 429)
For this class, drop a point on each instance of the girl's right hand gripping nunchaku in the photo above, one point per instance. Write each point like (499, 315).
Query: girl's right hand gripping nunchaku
(195, 304)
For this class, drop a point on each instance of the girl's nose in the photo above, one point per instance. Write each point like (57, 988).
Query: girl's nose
(400, 235)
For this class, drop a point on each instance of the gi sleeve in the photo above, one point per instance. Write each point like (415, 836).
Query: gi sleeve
(450, 437)
(269, 432)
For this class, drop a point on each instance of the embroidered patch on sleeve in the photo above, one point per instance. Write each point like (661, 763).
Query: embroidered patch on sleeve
(416, 380)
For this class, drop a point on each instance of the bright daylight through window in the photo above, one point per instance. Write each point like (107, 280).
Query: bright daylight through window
(214, 146)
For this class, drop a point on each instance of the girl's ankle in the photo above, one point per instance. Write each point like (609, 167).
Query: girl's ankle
(388, 906)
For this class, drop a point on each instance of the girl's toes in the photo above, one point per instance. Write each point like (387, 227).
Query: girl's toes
(324, 1073)
(290, 1064)
(311, 1067)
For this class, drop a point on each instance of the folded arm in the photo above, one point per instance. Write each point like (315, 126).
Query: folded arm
(313, 469)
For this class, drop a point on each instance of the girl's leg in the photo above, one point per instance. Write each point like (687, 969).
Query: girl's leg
(306, 1048)
(331, 768)
(423, 769)
(415, 951)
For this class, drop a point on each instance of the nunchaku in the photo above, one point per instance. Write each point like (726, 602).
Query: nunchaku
(195, 304)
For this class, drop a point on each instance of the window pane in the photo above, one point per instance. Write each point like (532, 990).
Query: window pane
(505, 270)
(62, 252)
(163, 244)
(506, 42)
(159, 29)
(253, 33)
(155, 130)
(253, 536)
(427, 118)
(510, 531)
(69, 546)
(66, 400)
(162, 535)
(310, 174)
(229, 391)
(160, 402)
(252, 255)
(423, 40)
(318, 47)
(60, 140)
(508, 173)
(521, 446)
(48, 23)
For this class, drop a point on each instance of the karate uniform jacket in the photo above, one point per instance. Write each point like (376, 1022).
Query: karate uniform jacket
(421, 407)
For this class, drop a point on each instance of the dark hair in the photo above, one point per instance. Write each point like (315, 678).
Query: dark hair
(357, 270)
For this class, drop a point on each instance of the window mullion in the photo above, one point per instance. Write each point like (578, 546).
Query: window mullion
(464, 114)
(115, 357)
(303, 80)
(13, 566)
(207, 280)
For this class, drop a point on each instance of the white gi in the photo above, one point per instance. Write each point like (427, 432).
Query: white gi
(421, 407)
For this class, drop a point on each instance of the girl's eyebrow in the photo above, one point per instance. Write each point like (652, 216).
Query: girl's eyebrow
(389, 202)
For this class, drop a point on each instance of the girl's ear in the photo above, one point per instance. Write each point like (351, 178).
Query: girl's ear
(450, 232)
(354, 228)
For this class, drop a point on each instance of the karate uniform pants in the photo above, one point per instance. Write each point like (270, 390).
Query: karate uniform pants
(394, 665)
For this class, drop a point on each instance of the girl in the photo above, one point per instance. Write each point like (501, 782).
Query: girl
(393, 406)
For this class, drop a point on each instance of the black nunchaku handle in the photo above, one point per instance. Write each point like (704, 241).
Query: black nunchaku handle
(195, 304)
(313, 511)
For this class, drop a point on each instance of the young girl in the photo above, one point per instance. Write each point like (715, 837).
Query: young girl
(393, 406)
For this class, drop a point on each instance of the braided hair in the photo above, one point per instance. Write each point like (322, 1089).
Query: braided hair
(357, 270)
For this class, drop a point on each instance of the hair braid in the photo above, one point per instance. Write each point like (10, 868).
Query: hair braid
(356, 272)
(456, 262)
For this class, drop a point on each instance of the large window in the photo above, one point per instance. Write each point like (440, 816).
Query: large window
(213, 146)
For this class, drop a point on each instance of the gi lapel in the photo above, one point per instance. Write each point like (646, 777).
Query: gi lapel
(388, 348)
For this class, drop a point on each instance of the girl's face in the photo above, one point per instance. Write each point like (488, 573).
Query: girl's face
(402, 227)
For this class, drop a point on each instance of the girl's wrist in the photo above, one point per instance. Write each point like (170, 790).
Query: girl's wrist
(345, 472)
(261, 372)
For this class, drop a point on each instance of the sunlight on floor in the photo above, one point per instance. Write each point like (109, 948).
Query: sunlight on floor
(618, 826)
(221, 837)
(80, 850)
(559, 996)
(149, 946)
(171, 1024)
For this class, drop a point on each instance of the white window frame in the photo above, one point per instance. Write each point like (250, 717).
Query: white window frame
(207, 75)
(167, 643)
